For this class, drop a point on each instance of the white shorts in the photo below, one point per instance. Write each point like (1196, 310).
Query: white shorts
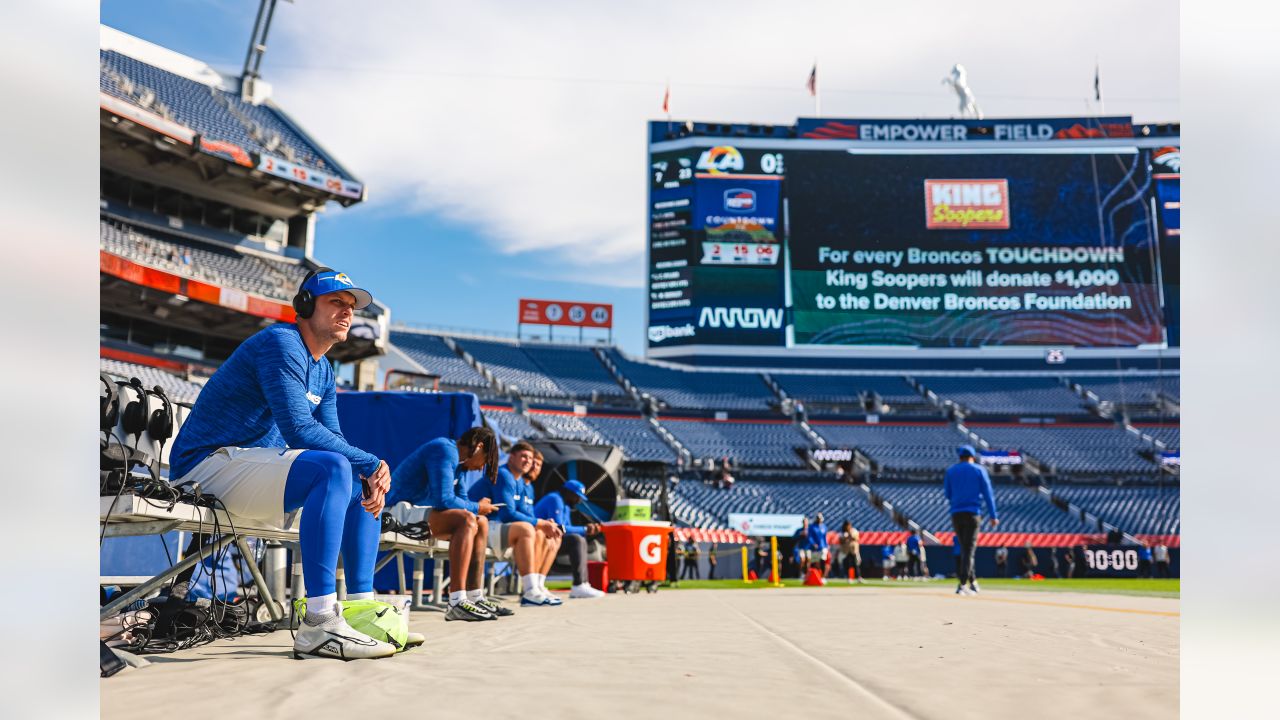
(249, 482)
(817, 556)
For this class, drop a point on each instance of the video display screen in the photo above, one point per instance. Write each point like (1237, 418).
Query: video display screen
(797, 243)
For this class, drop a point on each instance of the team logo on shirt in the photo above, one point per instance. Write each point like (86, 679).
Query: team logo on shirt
(314, 398)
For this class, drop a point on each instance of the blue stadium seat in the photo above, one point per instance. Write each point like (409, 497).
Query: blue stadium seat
(753, 443)
(1071, 449)
(431, 352)
(634, 435)
(1140, 510)
(1002, 395)
(897, 447)
(692, 390)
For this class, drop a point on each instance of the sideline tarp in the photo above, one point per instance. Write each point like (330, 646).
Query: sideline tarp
(393, 424)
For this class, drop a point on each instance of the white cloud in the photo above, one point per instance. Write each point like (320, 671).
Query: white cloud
(527, 120)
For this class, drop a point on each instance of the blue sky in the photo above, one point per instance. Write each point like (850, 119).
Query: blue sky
(503, 143)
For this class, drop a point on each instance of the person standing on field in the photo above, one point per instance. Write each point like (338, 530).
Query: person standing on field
(967, 487)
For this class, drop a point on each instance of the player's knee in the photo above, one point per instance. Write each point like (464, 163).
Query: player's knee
(330, 468)
(471, 522)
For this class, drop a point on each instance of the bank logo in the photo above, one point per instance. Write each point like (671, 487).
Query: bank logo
(659, 333)
(721, 159)
(966, 204)
(739, 200)
(744, 318)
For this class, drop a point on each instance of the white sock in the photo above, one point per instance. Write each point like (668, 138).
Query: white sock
(542, 581)
(530, 583)
(457, 597)
(360, 596)
(474, 595)
(322, 604)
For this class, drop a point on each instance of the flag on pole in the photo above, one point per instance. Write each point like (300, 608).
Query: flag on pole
(1097, 82)
(666, 100)
(812, 83)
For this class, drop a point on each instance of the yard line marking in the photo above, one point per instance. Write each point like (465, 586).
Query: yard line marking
(1046, 603)
(835, 672)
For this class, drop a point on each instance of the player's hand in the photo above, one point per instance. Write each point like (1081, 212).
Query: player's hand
(380, 480)
(593, 528)
(486, 506)
(375, 503)
(993, 522)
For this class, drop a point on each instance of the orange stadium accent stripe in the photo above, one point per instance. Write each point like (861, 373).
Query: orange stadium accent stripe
(139, 274)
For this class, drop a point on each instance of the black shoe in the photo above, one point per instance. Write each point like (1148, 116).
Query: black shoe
(469, 611)
(494, 608)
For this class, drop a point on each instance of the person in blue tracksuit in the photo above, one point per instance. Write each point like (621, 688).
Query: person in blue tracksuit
(967, 487)
(886, 560)
(264, 439)
(818, 547)
(517, 526)
(914, 566)
(800, 553)
(558, 506)
(430, 476)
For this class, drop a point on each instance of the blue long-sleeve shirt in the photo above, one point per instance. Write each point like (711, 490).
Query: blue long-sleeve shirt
(269, 393)
(802, 538)
(515, 493)
(429, 476)
(913, 545)
(553, 507)
(817, 536)
(967, 486)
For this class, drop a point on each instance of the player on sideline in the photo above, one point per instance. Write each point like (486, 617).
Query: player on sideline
(517, 528)
(429, 476)
(967, 486)
(557, 506)
(263, 437)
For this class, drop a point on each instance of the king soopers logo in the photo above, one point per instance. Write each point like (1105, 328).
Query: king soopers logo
(739, 200)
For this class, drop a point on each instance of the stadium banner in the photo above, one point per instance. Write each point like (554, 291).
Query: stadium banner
(954, 249)
(765, 525)
(1019, 130)
(1000, 457)
(225, 150)
(1173, 459)
(310, 176)
(829, 454)
(146, 118)
(565, 312)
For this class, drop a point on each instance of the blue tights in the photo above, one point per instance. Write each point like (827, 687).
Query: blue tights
(329, 493)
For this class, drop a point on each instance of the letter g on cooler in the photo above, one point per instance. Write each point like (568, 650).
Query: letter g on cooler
(650, 549)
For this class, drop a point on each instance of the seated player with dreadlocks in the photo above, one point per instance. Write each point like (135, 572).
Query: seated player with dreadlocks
(429, 476)
(263, 438)
(517, 527)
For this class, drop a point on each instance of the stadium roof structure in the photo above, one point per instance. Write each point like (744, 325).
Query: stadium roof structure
(167, 108)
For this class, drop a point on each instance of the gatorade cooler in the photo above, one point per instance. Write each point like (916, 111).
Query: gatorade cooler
(637, 550)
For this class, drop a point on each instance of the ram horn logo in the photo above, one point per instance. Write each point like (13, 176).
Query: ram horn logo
(721, 159)
(745, 318)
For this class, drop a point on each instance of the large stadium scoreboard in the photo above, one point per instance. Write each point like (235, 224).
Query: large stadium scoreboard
(993, 234)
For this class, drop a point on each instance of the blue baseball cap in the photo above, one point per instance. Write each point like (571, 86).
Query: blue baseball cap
(576, 488)
(966, 450)
(332, 281)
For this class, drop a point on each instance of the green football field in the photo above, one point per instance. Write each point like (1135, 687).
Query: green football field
(1111, 586)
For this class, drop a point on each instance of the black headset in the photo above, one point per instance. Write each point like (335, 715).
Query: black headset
(137, 414)
(160, 423)
(304, 303)
(108, 405)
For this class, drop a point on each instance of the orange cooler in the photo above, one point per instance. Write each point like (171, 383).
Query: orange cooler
(637, 549)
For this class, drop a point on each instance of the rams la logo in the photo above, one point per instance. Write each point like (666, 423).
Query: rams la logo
(721, 159)
(342, 278)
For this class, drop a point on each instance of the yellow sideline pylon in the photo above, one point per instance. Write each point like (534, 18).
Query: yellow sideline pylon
(773, 547)
(745, 577)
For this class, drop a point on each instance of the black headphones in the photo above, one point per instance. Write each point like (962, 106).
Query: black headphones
(160, 423)
(137, 414)
(304, 303)
(108, 405)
